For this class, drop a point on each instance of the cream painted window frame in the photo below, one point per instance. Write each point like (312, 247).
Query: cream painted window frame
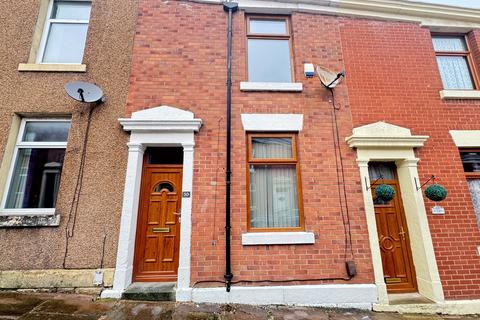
(46, 30)
(22, 145)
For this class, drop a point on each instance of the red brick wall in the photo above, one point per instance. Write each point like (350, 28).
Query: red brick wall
(180, 60)
(392, 76)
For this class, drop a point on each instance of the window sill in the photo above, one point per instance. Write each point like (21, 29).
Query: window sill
(460, 94)
(272, 86)
(52, 67)
(27, 212)
(30, 220)
(262, 238)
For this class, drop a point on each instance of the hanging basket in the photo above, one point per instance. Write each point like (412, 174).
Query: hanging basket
(436, 192)
(385, 192)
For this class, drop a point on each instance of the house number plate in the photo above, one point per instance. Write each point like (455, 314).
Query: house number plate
(438, 210)
(186, 194)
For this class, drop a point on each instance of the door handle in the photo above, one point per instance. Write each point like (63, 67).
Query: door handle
(160, 230)
(177, 214)
(402, 233)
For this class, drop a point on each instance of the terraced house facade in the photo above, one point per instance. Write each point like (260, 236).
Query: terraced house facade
(221, 164)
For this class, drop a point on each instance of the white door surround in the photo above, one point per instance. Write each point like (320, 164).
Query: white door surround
(159, 126)
(381, 141)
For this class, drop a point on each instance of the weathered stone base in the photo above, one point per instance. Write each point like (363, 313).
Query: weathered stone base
(60, 279)
(461, 307)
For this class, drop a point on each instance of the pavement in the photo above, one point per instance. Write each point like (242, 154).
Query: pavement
(61, 306)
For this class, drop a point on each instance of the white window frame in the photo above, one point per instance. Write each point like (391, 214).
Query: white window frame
(46, 31)
(19, 144)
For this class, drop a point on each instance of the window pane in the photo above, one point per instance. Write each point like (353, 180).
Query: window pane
(268, 148)
(381, 171)
(165, 155)
(46, 131)
(449, 44)
(269, 61)
(471, 161)
(65, 43)
(76, 10)
(36, 178)
(268, 26)
(455, 72)
(474, 187)
(273, 196)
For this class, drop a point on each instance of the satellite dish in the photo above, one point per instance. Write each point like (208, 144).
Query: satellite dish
(84, 92)
(328, 78)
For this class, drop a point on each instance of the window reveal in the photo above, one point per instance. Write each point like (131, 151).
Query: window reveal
(40, 151)
(274, 180)
(454, 62)
(269, 49)
(65, 33)
(471, 165)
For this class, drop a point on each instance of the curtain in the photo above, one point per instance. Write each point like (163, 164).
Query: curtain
(455, 72)
(377, 170)
(273, 188)
(19, 182)
(273, 196)
(453, 44)
(474, 186)
(268, 148)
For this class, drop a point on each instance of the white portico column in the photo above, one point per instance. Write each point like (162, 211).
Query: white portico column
(183, 282)
(128, 222)
(428, 277)
(372, 232)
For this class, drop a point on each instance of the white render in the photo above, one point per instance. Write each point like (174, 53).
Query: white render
(272, 122)
(466, 138)
(271, 86)
(160, 126)
(260, 238)
(360, 296)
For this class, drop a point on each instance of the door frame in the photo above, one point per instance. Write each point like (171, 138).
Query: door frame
(382, 141)
(143, 191)
(403, 218)
(161, 126)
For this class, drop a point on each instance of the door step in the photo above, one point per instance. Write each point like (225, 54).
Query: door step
(150, 291)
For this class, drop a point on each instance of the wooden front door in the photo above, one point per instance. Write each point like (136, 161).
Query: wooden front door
(158, 227)
(398, 268)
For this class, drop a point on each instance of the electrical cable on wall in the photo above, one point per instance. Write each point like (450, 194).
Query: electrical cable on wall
(341, 179)
(72, 214)
(92, 95)
(214, 233)
(340, 170)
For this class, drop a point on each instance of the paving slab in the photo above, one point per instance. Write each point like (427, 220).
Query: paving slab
(15, 304)
(30, 306)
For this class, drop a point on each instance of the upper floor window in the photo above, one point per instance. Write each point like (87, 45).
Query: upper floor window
(65, 32)
(455, 62)
(34, 176)
(471, 165)
(269, 49)
(274, 181)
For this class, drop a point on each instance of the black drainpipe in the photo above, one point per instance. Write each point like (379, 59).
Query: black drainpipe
(229, 7)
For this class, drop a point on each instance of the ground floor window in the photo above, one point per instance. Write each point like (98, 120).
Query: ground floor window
(274, 183)
(38, 160)
(471, 165)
